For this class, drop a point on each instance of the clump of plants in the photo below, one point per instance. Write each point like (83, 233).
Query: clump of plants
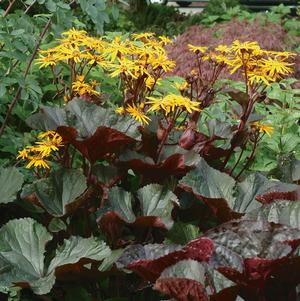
(150, 199)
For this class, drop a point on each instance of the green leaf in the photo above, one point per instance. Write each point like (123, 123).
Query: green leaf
(75, 248)
(279, 212)
(85, 117)
(120, 201)
(110, 260)
(22, 259)
(60, 190)
(182, 233)
(188, 269)
(22, 248)
(11, 181)
(115, 12)
(209, 182)
(157, 201)
(57, 225)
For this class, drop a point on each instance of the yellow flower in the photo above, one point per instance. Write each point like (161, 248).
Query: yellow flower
(45, 147)
(258, 77)
(181, 86)
(263, 128)
(172, 102)
(138, 114)
(223, 48)
(46, 61)
(240, 47)
(275, 67)
(46, 134)
(75, 34)
(197, 49)
(117, 48)
(120, 110)
(125, 66)
(37, 161)
(144, 35)
(150, 82)
(23, 154)
(164, 40)
(82, 88)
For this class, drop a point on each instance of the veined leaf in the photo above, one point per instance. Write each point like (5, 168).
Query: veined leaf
(60, 190)
(157, 201)
(10, 183)
(22, 255)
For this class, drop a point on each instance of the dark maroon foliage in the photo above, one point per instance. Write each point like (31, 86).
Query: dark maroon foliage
(182, 289)
(269, 197)
(150, 269)
(103, 142)
(263, 264)
(174, 165)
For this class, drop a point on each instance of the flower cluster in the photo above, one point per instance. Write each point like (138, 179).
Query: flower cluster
(37, 155)
(258, 65)
(140, 62)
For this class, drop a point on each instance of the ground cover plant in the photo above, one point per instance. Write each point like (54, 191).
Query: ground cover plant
(150, 196)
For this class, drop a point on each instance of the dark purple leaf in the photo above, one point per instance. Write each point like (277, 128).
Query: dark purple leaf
(182, 289)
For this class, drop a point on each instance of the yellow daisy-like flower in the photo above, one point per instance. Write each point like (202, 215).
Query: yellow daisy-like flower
(172, 102)
(258, 77)
(181, 86)
(38, 161)
(138, 114)
(263, 128)
(120, 110)
(47, 60)
(150, 82)
(144, 35)
(82, 88)
(164, 40)
(46, 134)
(23, 154)
(48, 145)
(197, 49)
(275, 67)
(223, 48)
(75, 34)
(247, 46)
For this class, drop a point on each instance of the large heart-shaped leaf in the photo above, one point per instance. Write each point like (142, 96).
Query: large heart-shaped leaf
(22, 255)
(93, 130)
(120, 202)
(177, 164)
(85, 117)
(22, 248)
(279, 212)
(241, 239)
(10, 183)
(49, 118)
(210, 183)
(77, 248)
(103, 141)
(151, 268)
(259, 257)
(156, 204)
(157, 201)
(213, 187)
(183, 281)
(228, 198)
(60, 190)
